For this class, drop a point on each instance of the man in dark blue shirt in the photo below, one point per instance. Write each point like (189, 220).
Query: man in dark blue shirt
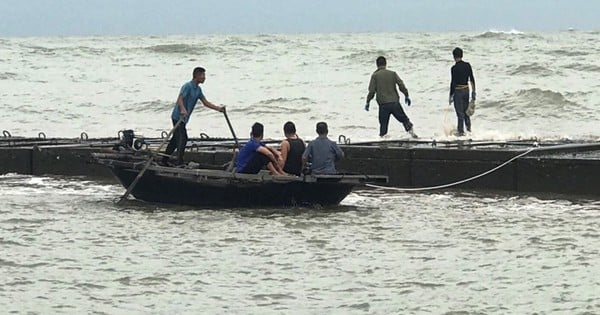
(254, 155)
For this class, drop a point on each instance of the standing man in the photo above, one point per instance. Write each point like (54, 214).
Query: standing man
(383, 83)
(459, 90)
(189, 94)
(322, 152)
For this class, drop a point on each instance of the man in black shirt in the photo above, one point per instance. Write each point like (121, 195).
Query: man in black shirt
(459, 90)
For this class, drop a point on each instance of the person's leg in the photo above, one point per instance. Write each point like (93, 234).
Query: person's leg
(172, 144)
(400, 115)
(460, 108)
(274, 169)
(384, 119)
(181, 144)
(467, 118)
(256, 163)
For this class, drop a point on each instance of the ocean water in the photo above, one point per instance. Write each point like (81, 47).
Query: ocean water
(67, 248)
(542, 85)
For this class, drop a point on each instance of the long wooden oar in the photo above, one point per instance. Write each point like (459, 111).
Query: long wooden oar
(153, 155)
(237, 145)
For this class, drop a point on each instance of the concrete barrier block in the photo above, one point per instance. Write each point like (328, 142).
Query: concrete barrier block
(15, 160)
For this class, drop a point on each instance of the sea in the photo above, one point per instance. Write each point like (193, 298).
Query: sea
(68, 248)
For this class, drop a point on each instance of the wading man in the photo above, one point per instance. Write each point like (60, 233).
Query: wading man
(383, 83)
(459, 91)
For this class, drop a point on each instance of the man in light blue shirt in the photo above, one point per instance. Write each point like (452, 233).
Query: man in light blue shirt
(189, 94)
(322, 152)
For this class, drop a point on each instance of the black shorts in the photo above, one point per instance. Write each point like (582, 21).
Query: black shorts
(256, 164)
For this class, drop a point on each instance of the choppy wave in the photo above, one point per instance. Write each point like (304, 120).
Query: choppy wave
(568, 52)
(184, 49)
(28, 185)
(8, 76)
(534, 69)
(155, 106)
(534, 102)
(280, 106)
(583, 67)
(543, 97)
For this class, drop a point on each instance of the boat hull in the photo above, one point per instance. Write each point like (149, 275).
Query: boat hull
(215, 187)
(175, 190)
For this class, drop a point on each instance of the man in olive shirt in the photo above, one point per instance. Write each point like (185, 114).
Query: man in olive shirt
(383, 83)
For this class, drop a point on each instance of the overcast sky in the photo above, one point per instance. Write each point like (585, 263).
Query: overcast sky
(161, 17)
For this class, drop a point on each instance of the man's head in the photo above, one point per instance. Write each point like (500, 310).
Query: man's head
(322, 128)
(457, 53)
(257, 130)
(199, 74)
(289, 128)
(381, 62)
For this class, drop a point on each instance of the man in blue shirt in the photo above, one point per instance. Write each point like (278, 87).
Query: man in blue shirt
(322, 152)
(189, 94)
(254, 155)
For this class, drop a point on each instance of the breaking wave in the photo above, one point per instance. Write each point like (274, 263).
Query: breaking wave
(499, 34)
(542, 97)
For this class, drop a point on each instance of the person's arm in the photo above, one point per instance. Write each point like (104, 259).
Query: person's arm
(210, 105)
(306, 155)
(285, 149)
(273, 155)
(339, 154)
(401, 86)
(452, 86)
(182, 111)
(268, 153)
(472, 79)
(276, 153)
(372, 89)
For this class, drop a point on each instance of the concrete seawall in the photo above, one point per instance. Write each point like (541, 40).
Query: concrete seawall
(566, 168)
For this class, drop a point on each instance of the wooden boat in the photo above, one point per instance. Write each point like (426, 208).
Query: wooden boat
(222, 188)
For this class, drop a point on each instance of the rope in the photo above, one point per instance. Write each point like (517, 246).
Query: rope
(458, 182)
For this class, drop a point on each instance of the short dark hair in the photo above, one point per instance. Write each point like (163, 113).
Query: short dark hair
(198, 70)
(289, 128)
(257, 130)
(322, 128)
(457, 53)
(381, 61)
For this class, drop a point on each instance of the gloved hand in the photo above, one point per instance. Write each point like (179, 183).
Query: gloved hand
(451, 99)
(473, 95)
(407, 101)
(367, 107)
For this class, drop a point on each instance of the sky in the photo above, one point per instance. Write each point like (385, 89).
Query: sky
(167, 17)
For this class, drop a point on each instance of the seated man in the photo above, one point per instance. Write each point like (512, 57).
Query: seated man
(322, 152)
(254, 155)
(291, 150)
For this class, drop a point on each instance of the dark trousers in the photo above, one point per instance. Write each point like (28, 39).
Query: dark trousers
(387, 109)
(256, 164)
(178, 141)
(461, 102)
